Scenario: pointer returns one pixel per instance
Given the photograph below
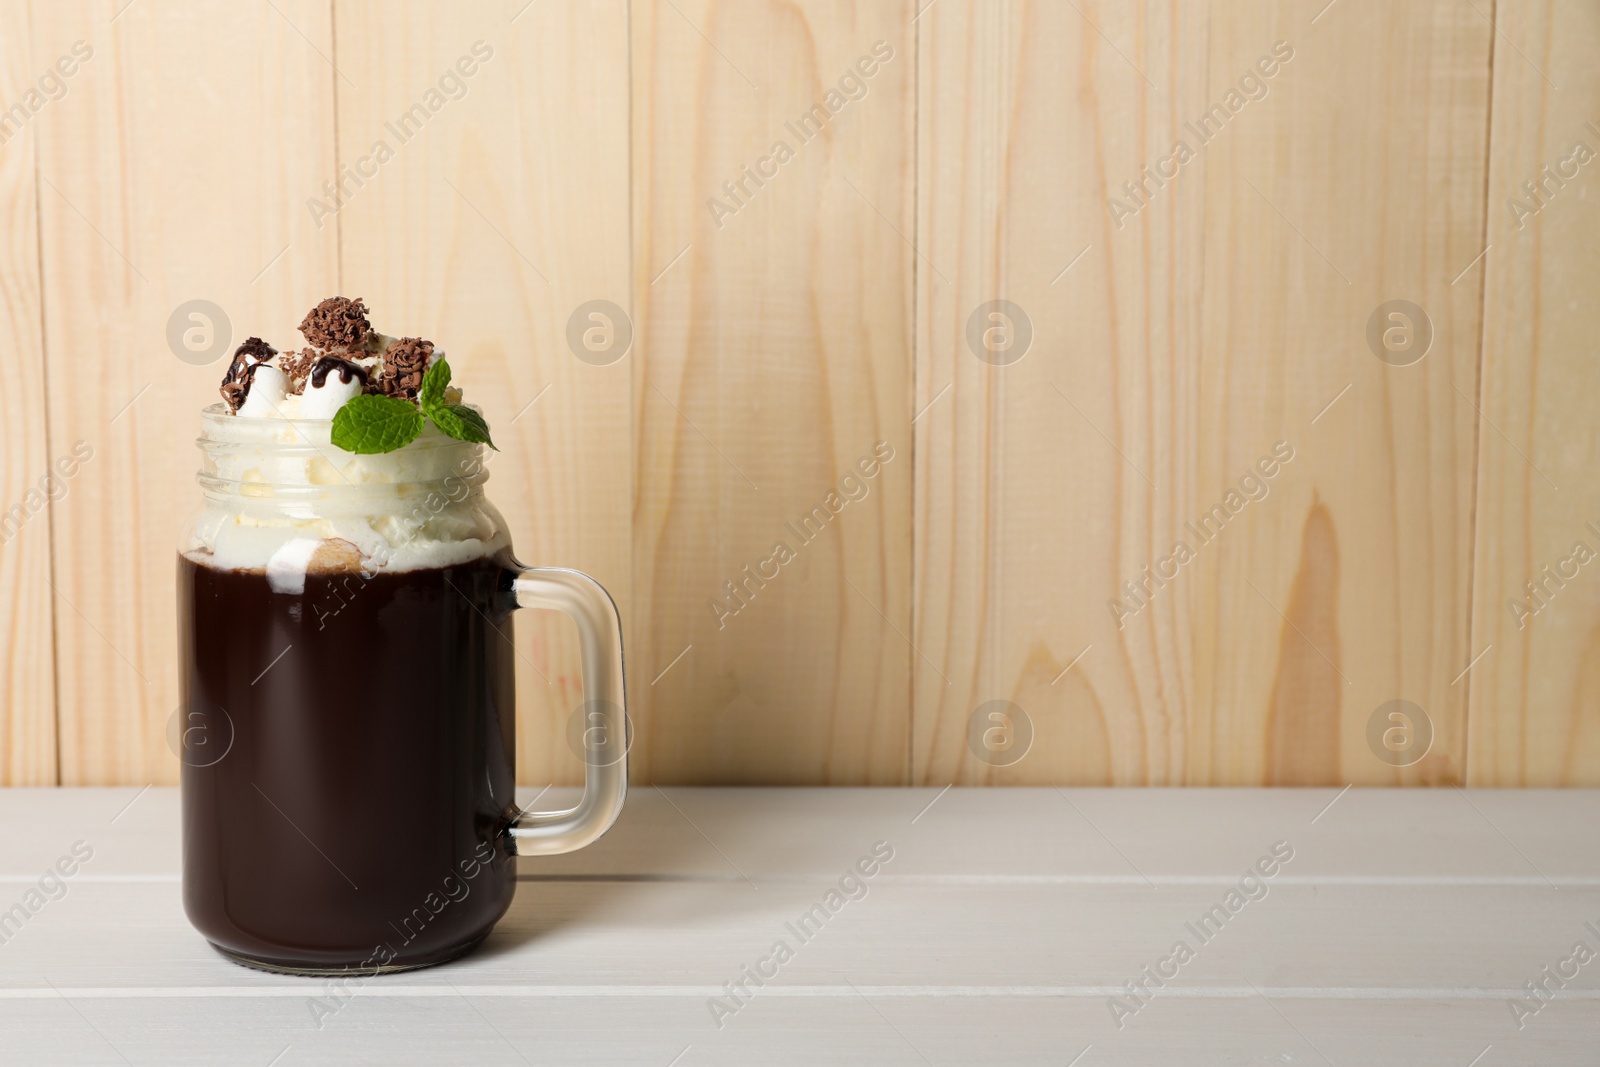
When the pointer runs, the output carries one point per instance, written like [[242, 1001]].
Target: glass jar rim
[[255, 430], [431, 461]]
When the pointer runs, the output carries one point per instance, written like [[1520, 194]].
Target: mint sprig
[[462, 423], [370, 423], [454, 420], [434, 382]]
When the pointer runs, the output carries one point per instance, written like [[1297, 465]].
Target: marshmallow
[[268, 387], [321, 403]]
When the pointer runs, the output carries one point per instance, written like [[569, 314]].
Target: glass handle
[[605, 737]]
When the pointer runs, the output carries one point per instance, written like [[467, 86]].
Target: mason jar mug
[[347, 725]]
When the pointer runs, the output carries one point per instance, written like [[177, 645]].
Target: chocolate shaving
[[296, 366], [337, 323], [242, 371], [404, 364]]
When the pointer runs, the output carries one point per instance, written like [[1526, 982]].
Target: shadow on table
[[667, 863]]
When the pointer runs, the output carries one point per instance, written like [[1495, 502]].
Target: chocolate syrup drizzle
[[242, 371], [346, 369]]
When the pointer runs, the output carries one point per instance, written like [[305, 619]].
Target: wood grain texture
[[1220, 318], [485, 232], [791, 310], [1351, 588], [1033, 477], [27, 480], [1536, 692], [175, 168], [774, 316]]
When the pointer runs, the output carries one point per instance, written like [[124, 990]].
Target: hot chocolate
[[359, 810], [349, 713], [348, 710]]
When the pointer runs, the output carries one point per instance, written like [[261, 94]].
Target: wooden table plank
[[1000, 931], [688, 938], [1168, 835], [785, 1031]]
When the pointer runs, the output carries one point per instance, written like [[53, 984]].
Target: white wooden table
[[999, 932]]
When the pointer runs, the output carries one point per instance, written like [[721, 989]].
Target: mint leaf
[[453, 420], [462, 423], [431, 394], [370, 423]]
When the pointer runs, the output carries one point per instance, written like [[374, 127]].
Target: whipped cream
[[283, 500]]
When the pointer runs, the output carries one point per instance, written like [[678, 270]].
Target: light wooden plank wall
[[1536, 695], [485, 232], [775, 324], [1192, 338], [27, 661], [174, 169], [784, 326]]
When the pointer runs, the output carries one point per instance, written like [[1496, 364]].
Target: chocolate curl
[[404, 364], [337, 323]]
